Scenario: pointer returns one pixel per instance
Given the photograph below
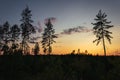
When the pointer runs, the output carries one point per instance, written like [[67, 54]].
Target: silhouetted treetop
[[26, 28], [100, 29], [47, 38]]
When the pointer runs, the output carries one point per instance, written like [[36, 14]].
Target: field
[[64, 67]]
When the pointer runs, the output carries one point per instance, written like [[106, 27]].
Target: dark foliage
[[5, 37], [100, 29], [68, 67], [36, 49], [15, 32], [48, 37], [26, 29]]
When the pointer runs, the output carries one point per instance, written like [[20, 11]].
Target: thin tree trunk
[[49, 44], [103, 41], [23, 47], [49, 48], [104, 46]]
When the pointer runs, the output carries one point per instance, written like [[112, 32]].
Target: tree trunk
[[104, 45], [49, 47], [103, 41]]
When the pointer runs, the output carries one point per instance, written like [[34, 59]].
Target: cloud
[[69, 31], [79, 29], [38, 28], [52, 19]]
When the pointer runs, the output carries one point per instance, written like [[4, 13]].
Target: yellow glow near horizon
[[84, 41]]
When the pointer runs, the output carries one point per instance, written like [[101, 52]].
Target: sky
[[68, 14]]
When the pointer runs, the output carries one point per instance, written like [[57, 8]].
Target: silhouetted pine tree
[[1, 36], [6, 38], [6, 32], [36, 49], [27, 28], [15, 32], [48, 37], [100, 29]]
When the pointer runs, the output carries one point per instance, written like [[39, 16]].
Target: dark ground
[[67, 67]]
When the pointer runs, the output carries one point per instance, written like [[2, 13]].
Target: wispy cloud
[[52, 19], [70, 31], [39, 28], [79, 29]]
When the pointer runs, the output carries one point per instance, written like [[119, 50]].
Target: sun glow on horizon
[[84, 41]]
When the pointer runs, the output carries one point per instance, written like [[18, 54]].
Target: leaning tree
[[100, 29], [48, 37], [27, 29]]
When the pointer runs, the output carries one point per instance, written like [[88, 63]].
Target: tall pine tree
[[48, 37], [6, 38], [100, 29], [1, 36], [26, 28]]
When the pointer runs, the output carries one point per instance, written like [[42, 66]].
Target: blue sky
[[68, 12]]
